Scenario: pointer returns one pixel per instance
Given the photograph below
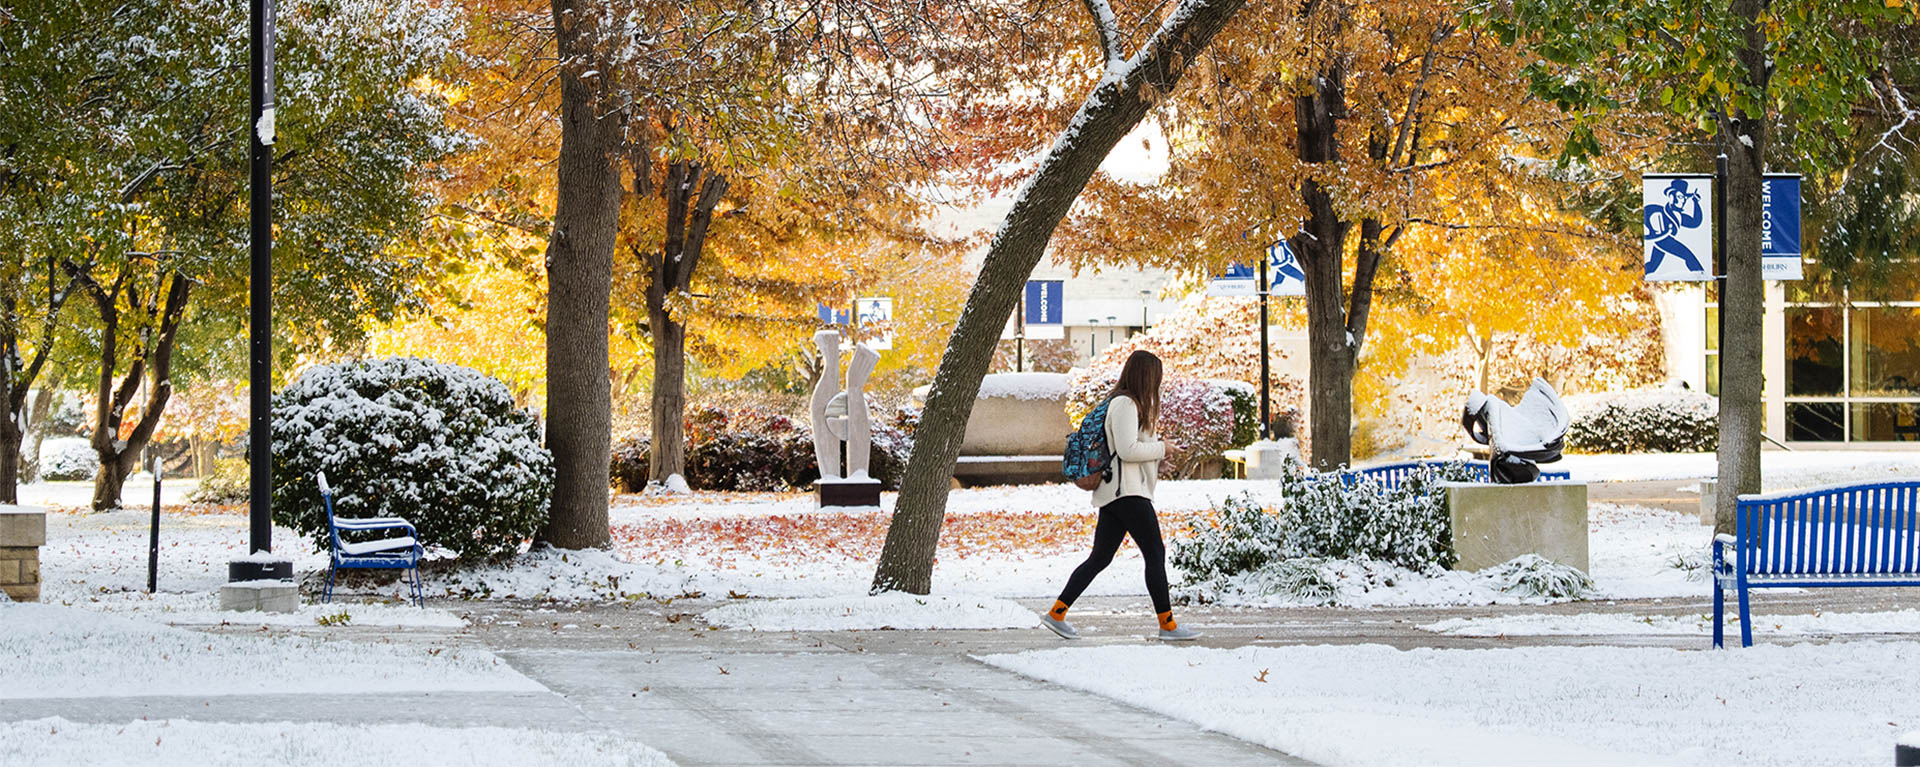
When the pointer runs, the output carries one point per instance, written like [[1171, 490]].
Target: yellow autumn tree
[[1398, 154]]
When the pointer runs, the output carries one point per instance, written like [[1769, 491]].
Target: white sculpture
[[1518, 436], [841, 417]]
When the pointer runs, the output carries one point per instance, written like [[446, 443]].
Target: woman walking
[[1125, 498]]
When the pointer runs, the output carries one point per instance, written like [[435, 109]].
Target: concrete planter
[[1492, 524], [23, 530]]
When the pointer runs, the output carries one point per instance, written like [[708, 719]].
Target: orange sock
[[1059, 611], [1166, 621]]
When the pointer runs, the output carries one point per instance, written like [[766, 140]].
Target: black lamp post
[[260, 304]]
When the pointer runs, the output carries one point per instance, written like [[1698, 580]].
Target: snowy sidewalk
[[833, 706]]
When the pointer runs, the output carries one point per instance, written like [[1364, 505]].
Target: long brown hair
[[1140, 379]]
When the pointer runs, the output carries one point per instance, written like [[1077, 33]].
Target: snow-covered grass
[[1004, 542], [885, 611], [1599, 624], [203, 609], [1779, 469], [1798, 706], [1633, 553], [184, 743], [52, 651]]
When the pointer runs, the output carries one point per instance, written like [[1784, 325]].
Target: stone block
[[22, 592], [1492, 524], [9, 572], [1708, 498], [1268, 459], [23, 526], [264, 596]]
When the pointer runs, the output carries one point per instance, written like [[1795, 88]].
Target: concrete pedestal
[[265, 596], [1268, 460], [1492, 524], [1709, 495], [23, 530], [849, 493]]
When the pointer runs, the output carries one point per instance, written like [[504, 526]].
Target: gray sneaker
[[1063, 628], [1179, 634]]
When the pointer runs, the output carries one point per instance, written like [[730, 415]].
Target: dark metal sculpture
[[1520, 436]]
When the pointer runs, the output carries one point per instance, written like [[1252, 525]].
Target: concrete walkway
[[658, 675]]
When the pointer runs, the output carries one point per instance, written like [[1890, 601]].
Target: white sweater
[[1136, 454]]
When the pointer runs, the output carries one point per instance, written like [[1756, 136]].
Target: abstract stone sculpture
[[841, 418], [1519, 436]]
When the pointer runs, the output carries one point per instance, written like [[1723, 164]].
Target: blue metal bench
[[1844, 535], [400, 552], [1391, 474]]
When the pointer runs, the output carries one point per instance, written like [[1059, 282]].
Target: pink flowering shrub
[[1198, 419]]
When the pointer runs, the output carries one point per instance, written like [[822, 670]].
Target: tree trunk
[[691, 194], [11, 436], [1321, 250], [669, 438], [1742, 414], [1114, 107], [119, 458], [586, 219]]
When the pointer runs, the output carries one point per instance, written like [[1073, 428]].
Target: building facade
[[1842, 367]]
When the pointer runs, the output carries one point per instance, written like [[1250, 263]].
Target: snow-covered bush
[[1652, 421], [442, 445], [1531, 575], [67, 459], [228, 484], [1199, 420], [631, 463], [1330, 515]]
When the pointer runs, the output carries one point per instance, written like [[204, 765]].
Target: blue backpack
[[1089, 459]]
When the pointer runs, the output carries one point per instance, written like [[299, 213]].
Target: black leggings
[[1131, 515]]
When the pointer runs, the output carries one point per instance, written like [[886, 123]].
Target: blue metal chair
[[399, 552]]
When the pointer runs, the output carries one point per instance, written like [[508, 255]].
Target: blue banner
[[1044, 306], [831, 316], [1284, 277], [1780, 248]]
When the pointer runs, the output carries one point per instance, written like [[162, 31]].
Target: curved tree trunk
[[119, 458], [1114, 107], [586, 219], [1742, 417]]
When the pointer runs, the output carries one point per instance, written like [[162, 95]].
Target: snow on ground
[[1779, 469], [1600, 624], [1633, 552], [79, 494], [89, 553], [203, 609], [1007, 542], [53, 651], [885, 611], [184, 743], [1785, 705]]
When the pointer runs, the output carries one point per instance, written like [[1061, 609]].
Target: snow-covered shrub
[[1330, 515], [67, 459], [229, 483], [1653, 421], [1199, 420], [442, 445], [1531, 575], [630, 463]]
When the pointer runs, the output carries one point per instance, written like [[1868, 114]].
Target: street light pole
[[260, 280]]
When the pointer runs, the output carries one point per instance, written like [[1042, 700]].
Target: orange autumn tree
[[1381, 142], [747, 200]]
